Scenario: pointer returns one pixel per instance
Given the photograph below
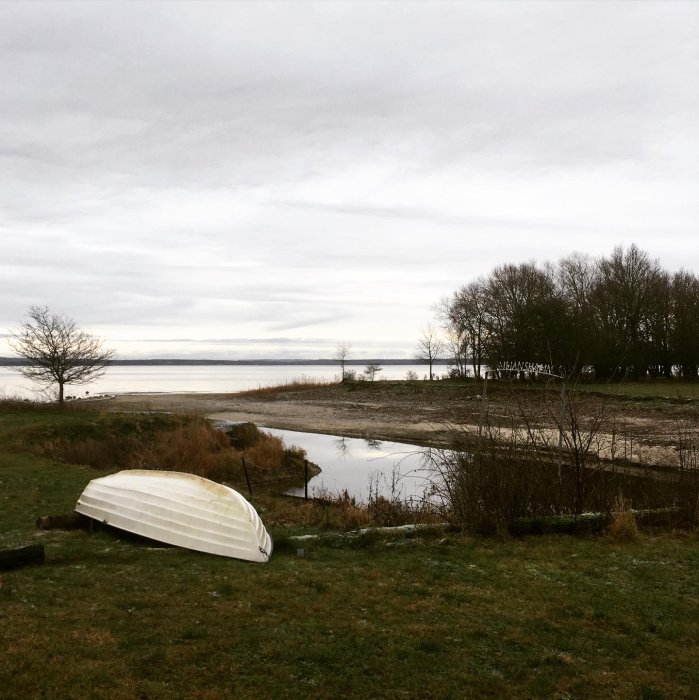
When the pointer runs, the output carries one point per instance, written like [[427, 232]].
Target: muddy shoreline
[[427, 413], [356, 419]]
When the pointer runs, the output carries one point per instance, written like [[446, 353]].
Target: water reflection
[[342, 445], [365, 468]]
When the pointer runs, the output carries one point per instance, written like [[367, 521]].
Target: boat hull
[[181, 509]]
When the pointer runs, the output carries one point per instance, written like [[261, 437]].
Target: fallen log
[[21, 556]]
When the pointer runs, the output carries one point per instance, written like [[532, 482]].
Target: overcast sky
[[249, 180]]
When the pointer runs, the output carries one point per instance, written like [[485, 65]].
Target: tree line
[[621, 315]]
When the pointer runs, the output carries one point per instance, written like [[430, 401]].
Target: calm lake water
[[391, 469], [122, 379]]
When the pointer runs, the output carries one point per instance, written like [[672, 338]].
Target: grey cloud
[[223, 341], [166, 103], [273, 166], [435, 217], [305, 321]]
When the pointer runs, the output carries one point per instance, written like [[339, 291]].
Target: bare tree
[[576, 277], [457, 351], [466, 319], [372, 369], [430, 346], [58, 351], [621, 298], [342, 352]]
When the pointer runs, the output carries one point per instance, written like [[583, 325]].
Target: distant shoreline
[[14, 362]]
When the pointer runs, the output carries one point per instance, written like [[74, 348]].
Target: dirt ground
[[641, 430]]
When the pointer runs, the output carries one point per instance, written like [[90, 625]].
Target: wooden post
[[561, 411], [21, 556], [305, 479], [484, 398], [247, 478]]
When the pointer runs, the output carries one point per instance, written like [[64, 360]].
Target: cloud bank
[[299, 174]]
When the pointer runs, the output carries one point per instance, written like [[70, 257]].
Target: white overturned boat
[[180, 509]]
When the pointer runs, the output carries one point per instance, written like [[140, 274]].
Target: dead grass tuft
[[340, 511], [301, 384], [267, 453], [16, 403], [623, 527], [196, 447], [390, 512], [185, 443]]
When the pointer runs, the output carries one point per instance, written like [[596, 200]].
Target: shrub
[[340, 511], [196, 447], [244, 435], [623, 527]]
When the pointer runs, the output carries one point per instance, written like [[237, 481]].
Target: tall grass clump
[[303, 383], [267, 455], [195, 446], [389, 507], [16, 403], [105, 441], [167, 442], [623, 527]]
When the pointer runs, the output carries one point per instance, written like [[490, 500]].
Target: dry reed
[[623, 527], [301, 384]]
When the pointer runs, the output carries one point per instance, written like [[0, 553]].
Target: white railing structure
[[528, 368]]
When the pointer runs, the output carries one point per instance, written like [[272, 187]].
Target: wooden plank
[[21, 556]]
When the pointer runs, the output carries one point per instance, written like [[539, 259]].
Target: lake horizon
[[198, 377], [263, 362]]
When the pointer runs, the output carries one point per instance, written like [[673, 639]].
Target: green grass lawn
[[441, 616], [656, 388], [649, 389]]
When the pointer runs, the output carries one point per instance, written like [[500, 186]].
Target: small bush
[[391, 512], [340, 511], [196, 447], [244, 435], [268, 453], [623, 527]]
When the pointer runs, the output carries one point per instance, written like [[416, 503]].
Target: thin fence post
[[305, 479], [247, 478], [561, 411]]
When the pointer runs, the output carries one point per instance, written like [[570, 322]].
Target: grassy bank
[[428, 616], [658, 391], [648, 389]]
